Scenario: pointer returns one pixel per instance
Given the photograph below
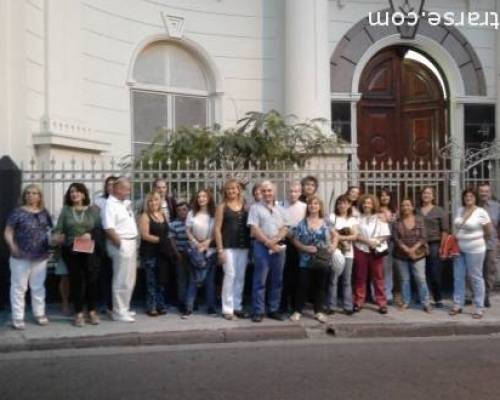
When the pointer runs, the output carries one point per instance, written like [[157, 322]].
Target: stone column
[[307, 60]]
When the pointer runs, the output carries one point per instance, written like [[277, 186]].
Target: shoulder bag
[[382, 249], [450, 248]]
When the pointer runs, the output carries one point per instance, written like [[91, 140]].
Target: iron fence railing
[[404, 179]]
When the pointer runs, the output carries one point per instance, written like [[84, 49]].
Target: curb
[[373, 330], [246, 334]]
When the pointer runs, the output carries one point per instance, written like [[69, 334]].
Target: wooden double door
[[403, 112]]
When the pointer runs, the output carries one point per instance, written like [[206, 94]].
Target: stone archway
[[363, 36]]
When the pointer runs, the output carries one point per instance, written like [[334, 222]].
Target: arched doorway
[[402, 113]]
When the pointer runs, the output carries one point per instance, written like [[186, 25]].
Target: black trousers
[[290, 278], [314, 282], [83, 279]]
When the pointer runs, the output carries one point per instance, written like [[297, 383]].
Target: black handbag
[[377, 253], [321, 260]]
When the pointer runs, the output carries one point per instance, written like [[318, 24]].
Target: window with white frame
[[171, 90]]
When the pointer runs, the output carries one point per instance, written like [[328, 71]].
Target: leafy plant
[[258, 139]]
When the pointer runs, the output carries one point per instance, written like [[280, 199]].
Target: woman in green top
[[75, 231]]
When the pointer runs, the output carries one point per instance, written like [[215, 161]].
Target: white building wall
[[93, 42], [242, 37]]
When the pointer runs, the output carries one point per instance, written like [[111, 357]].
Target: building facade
[[101, 78]]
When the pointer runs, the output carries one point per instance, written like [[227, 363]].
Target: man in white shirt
[[268, 225], [121, 232]]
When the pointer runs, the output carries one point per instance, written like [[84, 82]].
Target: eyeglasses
[[37, 193]]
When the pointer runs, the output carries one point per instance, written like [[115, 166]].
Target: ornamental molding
[[174, 26], [56, 132]]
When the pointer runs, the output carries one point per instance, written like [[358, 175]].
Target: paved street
[[409, 369]]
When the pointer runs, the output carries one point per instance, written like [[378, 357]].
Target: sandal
[[455, 310]]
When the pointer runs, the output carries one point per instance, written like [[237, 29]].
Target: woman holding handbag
[[410, 250], [345, 224], [369, 251], [200, 224], [313, 239], [472, 228]]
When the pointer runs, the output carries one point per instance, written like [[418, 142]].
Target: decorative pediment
[[174, 26]]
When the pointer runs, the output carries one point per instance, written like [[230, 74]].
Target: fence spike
[[389, 162]]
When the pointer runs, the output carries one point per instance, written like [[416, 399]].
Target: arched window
[[171, 90]]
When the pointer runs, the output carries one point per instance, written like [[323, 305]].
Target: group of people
[[367, 247]]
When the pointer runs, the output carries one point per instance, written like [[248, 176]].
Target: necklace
[[78, 218]]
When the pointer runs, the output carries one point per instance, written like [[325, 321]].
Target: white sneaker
[[123, 317], [132, 313], [42, 320], [18, 324], [320, 317], [295, 317]]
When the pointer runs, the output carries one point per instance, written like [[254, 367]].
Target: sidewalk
[[200, 328]]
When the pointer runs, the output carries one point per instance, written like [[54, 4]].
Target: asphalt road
[[445, 368]]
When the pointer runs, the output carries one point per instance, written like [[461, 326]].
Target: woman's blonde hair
[[32, 186], [147, 199], [309, 201], [229, 183]]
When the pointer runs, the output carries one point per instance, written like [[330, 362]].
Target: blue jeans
[[208, 281], [434, 271], [155, 297], [345, 277], [417, 269], [472, 265], [267, 264]]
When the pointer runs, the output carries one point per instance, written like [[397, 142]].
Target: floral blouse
[[31, 232], [319, 237]]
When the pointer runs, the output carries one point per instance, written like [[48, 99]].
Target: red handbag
[[450, 248]]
